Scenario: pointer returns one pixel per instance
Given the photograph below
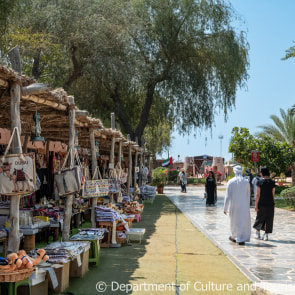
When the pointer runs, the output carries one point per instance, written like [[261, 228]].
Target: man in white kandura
[[236, 202]]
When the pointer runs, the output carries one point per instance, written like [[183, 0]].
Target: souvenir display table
[[76, 252], [92, 235]]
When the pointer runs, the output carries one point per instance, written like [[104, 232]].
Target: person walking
[[236, 203], [254, 182], [210, 189], [264, 205], [183, 181]]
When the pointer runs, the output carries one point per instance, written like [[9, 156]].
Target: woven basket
[[17, 275]]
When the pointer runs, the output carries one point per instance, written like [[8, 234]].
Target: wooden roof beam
[[45, 101]]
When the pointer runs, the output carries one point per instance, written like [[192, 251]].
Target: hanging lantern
[[97, 148], [36, 130]]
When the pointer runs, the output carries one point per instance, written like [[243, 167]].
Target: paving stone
[[261, 261]]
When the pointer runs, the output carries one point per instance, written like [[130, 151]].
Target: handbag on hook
[[114, 182], [17, 171], [96, 188], [67, 181]]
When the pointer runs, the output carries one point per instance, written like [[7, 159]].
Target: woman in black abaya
[[210, 188]]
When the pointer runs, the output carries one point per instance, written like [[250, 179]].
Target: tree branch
[[77, 71]]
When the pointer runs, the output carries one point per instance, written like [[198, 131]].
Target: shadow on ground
[[118, 264]]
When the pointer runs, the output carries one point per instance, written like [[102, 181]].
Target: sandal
[[232, 239]]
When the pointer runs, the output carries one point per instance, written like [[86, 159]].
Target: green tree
[[124, 56], [241, 145], [283, 130], [276, 155]]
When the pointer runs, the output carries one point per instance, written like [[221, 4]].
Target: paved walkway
[[269, 264]]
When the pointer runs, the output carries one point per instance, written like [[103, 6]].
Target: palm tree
[[283, 130]]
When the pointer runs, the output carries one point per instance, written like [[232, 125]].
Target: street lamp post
[[220, 137]]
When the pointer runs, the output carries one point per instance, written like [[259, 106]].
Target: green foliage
[[289, 196], [159, 176], [279, 189], [173, 175], [192, 180], [156, 64], [229, 177], [277, 156], [202, 180], [283, 129]]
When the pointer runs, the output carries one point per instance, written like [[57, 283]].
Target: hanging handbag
[[121, 175], [114, 182], [17, 171], [67, 181], [96, 187]]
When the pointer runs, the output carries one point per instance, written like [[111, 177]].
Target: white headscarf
[[238, 172]]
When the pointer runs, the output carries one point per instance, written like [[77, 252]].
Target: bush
[[192, 180], [202, 180], [289, 196], [279, 189], [159, 176], [173, 175], [232, 175]]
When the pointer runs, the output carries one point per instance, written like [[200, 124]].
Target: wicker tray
[[17, 275]]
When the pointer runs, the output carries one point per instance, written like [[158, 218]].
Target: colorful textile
[[96, 188]]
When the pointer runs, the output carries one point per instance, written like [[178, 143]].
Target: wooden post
[[14, 240], [25, 145], [112, 154], [69, 199], [47, 152], [93, 165], [120, 153], [15, 96], [135, 165], [129, 180]]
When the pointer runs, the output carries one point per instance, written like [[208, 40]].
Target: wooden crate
[[77, 271], [62, 272], [41, 288]]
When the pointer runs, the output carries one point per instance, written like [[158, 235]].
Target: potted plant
[[159, 178]]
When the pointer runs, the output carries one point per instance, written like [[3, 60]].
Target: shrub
[[232, 175], [173, 175], [289, 195], [192, 180], [159, 176], [201, 180], [279, 189]]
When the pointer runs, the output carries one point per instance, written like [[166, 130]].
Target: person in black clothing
[[210, 188], [264, 204]]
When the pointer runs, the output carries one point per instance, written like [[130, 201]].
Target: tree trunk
[[77, 68], [145, 110], [36, 72]]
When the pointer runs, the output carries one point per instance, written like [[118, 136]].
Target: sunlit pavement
[[270, 264]]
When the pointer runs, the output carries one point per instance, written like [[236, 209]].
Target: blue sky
[[270, 27]]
